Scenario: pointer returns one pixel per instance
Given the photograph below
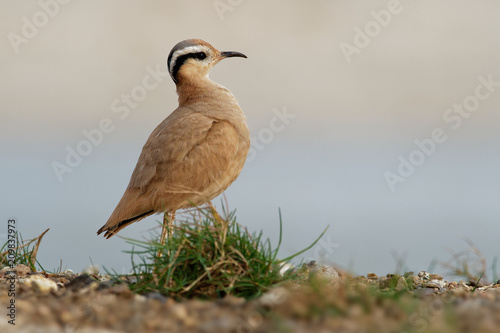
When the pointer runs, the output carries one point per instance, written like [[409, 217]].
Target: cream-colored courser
[[195, 153]]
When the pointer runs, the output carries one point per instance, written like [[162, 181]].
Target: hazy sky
[[378, 118]]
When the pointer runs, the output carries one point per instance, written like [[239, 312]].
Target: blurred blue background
[[360, 82]]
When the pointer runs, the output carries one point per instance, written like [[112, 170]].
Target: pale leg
[[167, 229]]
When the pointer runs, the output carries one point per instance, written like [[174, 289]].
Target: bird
[[195, 153]]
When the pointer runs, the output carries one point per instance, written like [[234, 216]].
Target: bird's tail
[[111, 230], [131, 208]]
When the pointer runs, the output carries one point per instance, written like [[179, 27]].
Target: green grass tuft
[[208, 256], [17, 251]]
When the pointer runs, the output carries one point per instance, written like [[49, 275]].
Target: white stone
[[285, 268], [435, 284], [91, 270], [326, 272], [41, 283]]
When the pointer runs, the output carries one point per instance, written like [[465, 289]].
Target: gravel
[[327, 300]]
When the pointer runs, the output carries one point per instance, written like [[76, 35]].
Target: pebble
[[79, 282], [422, 292], [285, 268], [91, 270], [311, 264], [20, 270], [324, 272], [415, 280], [402, 284], [464, 286], [475, 283], [104, 285], [275, 296], [39, 283], [424, 275], [104, 278], [435, 284], [435, 277], [5, 271], [156, 296]]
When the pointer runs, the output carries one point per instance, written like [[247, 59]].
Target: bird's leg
[[167, 229], [171, 218]]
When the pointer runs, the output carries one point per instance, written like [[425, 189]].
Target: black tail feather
[[110, 231]]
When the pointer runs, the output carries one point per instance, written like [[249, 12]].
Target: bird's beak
[[229, 54]]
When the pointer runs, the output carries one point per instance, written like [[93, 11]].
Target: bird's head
[[192, 59]]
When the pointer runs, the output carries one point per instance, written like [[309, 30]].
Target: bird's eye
[[200, 55]]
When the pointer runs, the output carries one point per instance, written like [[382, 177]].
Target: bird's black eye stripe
[[200, 55], [181, 59]]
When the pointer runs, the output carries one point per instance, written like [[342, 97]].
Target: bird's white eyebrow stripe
[[186, 50]]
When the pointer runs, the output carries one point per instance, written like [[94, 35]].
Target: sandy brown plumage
[[195, 153]]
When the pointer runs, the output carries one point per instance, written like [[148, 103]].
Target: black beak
[[229, 54]]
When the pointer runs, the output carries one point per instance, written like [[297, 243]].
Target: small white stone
[[91, 270], [424, 275], [104, 278], [325, 272], [41, 283], [285, 268], [274, 296], [68, 272], [140, 298], [435, 284]]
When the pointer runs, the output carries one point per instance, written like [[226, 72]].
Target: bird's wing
[[184, 150]]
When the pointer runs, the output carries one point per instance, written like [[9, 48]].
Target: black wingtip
[[110, 231]]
